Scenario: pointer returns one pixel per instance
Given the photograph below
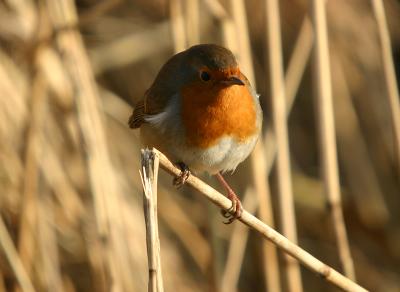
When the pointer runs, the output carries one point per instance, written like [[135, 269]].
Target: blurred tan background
[[70, 191]]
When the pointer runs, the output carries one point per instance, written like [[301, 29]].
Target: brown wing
[[153, 102], [156, 98], [137, 117]]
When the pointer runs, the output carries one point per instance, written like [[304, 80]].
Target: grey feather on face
[[213, 56]]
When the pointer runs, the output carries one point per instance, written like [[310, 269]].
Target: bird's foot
[[235, 211], [180, 180]]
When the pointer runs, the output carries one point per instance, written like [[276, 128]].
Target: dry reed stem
[[58, 181], [14, 85], [63, 16], [160, 286], [183, 226], [177, 25], [55, 175], [227, 25], [298, 62], [192, 15], [279, 113], [149, 176], [28, 220], [97, 261], [327, 139], [102, 179], [97, 11], [50, 64], [259, 173], [2, 283], [323, 270], [237, 247], [14, 109], [243, 39], [294, 73], [25, 20], [270, 260], [130, 48], [216, 9], [14, 260], [390, 75], [357, 165], [47, 242]]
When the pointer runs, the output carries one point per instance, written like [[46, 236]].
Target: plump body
[[210, 123]]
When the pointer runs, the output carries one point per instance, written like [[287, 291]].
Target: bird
[[202, 113]]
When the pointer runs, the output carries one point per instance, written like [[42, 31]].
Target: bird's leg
[[180, 180], [235, 211]]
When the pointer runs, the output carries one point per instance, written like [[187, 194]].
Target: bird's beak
[[232, 80]]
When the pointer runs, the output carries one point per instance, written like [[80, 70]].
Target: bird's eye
[[205, 76]]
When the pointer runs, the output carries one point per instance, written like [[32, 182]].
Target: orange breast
[[208, 113]]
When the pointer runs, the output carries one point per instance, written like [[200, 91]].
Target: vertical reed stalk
[[237, 246], [229, 36], [28, 225], [261, 183], [361, 175], [47, 243], [279, 113], [326, 127], [298, 62], [294, 73], [243, 39], [390, 74], [149, 175], [102, 178], [259, 173], [177, 25], [192, 22]]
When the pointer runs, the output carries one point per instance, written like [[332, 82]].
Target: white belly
[[224, 156]]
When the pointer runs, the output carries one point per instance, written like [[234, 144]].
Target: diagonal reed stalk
[[309, 261], [14, 260], [327, 140], [279, 113]]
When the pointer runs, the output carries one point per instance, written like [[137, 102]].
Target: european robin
[[202, 112]]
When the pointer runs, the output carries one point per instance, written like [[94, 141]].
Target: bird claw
[[235, 211], [181, 179]]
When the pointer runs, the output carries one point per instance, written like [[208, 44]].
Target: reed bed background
[[325, 173]]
